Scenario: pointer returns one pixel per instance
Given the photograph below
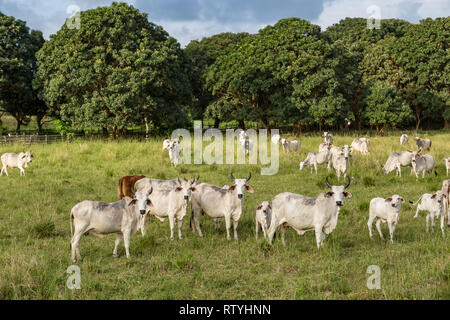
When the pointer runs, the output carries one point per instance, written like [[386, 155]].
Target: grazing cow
[[397, 160], [324, 147], [293, 145], [100, 219], [446, 191], [361, 145], [174, 153], [385, 210], [276, 139], [340, 164], [435, 204], [217, 202], [404, 139], [15, 160], [423, 144], [328, 138], [447, 164], [315, 158], [304, 213], [422, 163], [171, 203], [125, 186], [245, 141], [262, 218]]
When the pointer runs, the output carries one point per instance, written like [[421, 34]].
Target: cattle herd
[[140, 197]]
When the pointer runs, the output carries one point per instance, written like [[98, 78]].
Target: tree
[[117, 70], [201, 55], [17, 70]]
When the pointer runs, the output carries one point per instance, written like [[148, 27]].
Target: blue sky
[[188, 20]]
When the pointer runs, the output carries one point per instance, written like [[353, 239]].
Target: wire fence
[[34, 138]]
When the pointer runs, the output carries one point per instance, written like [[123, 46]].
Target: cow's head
[[395, 201], [302, 165], [266, 208], [186, 187], [440, 197], [338, 192], [347, 150], [240, 185], [141, 200], [25, 157]]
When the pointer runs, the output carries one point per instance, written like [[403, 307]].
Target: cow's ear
[[149, 203], [388, 200], [194, 189], [444, 195], [259, 207], [132, 202], [402, 200], [232, 188], [179, 189], [249, 189], [433, 196], [269, 206], [329, 194], [347, 194]]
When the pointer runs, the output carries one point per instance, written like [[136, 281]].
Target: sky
[[188, 20]]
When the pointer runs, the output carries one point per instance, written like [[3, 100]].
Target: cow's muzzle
[[240, 196], [339, 203], [142, 212], [186, 197]]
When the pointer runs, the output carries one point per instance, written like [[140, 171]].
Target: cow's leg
[[142, 223], [126, 242], [235, 225], [318, 231], [428, 222], [180, 224], [22, 171], [282, 233], [315, 167], [228, 225], [6, 171], [391, 231], [75, 245], [442, 225], [272, 229], [116, 244], [172, 224], [264, 230], [432, 222], [3, 169], [369, 225], [417, 212], [197, 224], [378, 225]]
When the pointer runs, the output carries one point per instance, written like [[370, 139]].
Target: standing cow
[[385, 210], [446, 191], [397, 160], [217, 202], [423, 144], [435, 204], [404, 139], [125, 186], [262, 218], [293, 145], [101, 218], [315, 158], [304, 213], [447, 164], [361, 145], [15, 160], [422, 163], [328, 138]]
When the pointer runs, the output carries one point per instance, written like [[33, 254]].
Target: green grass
[[35, 233]]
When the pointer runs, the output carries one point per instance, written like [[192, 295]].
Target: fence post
[[46, 139]]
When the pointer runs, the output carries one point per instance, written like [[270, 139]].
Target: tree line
[[119, 70]]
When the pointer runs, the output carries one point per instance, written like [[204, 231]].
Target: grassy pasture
[[35, 234]]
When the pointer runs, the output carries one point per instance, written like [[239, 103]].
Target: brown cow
[[125, 184]]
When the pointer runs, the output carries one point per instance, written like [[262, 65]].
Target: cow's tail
[[415, 203], [119, 189]]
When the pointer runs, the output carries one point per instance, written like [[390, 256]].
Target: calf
[[101, 218], [340, 164], [404, 139], [15, 160], [315, 158], [447, 164], [171, 203], [423, 144], [293, 145], [262, 218], [422, 163], [385, 210], [217, 202], [125, 186], [361, 145], [304, 213], [435, 205]]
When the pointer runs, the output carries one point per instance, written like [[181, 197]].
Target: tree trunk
[[241, 124], [264, 123], [105, 131], [39, 124], [216, 123], [297, 129], [19, 123], [146, 127], [446, 123]]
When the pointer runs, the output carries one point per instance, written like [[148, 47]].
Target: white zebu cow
[[397, 160], [262, 218], [102, 218], [315, 158], [304, 213], [404, 139], [385, 210], [435, 204], [171, 203], [423, 144], [293, 145], [276, 139], [447, 164], [361, 145], [446, 191], [217, 202], [174, 153], [328, 138], [166, 143], [246, 142], [15, 160], [422, 163], [340, 164]]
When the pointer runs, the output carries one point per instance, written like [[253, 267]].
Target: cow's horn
[[328, 183], [249, 176], [132, 190], [232, 177], [348, 182], [151, 190]]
